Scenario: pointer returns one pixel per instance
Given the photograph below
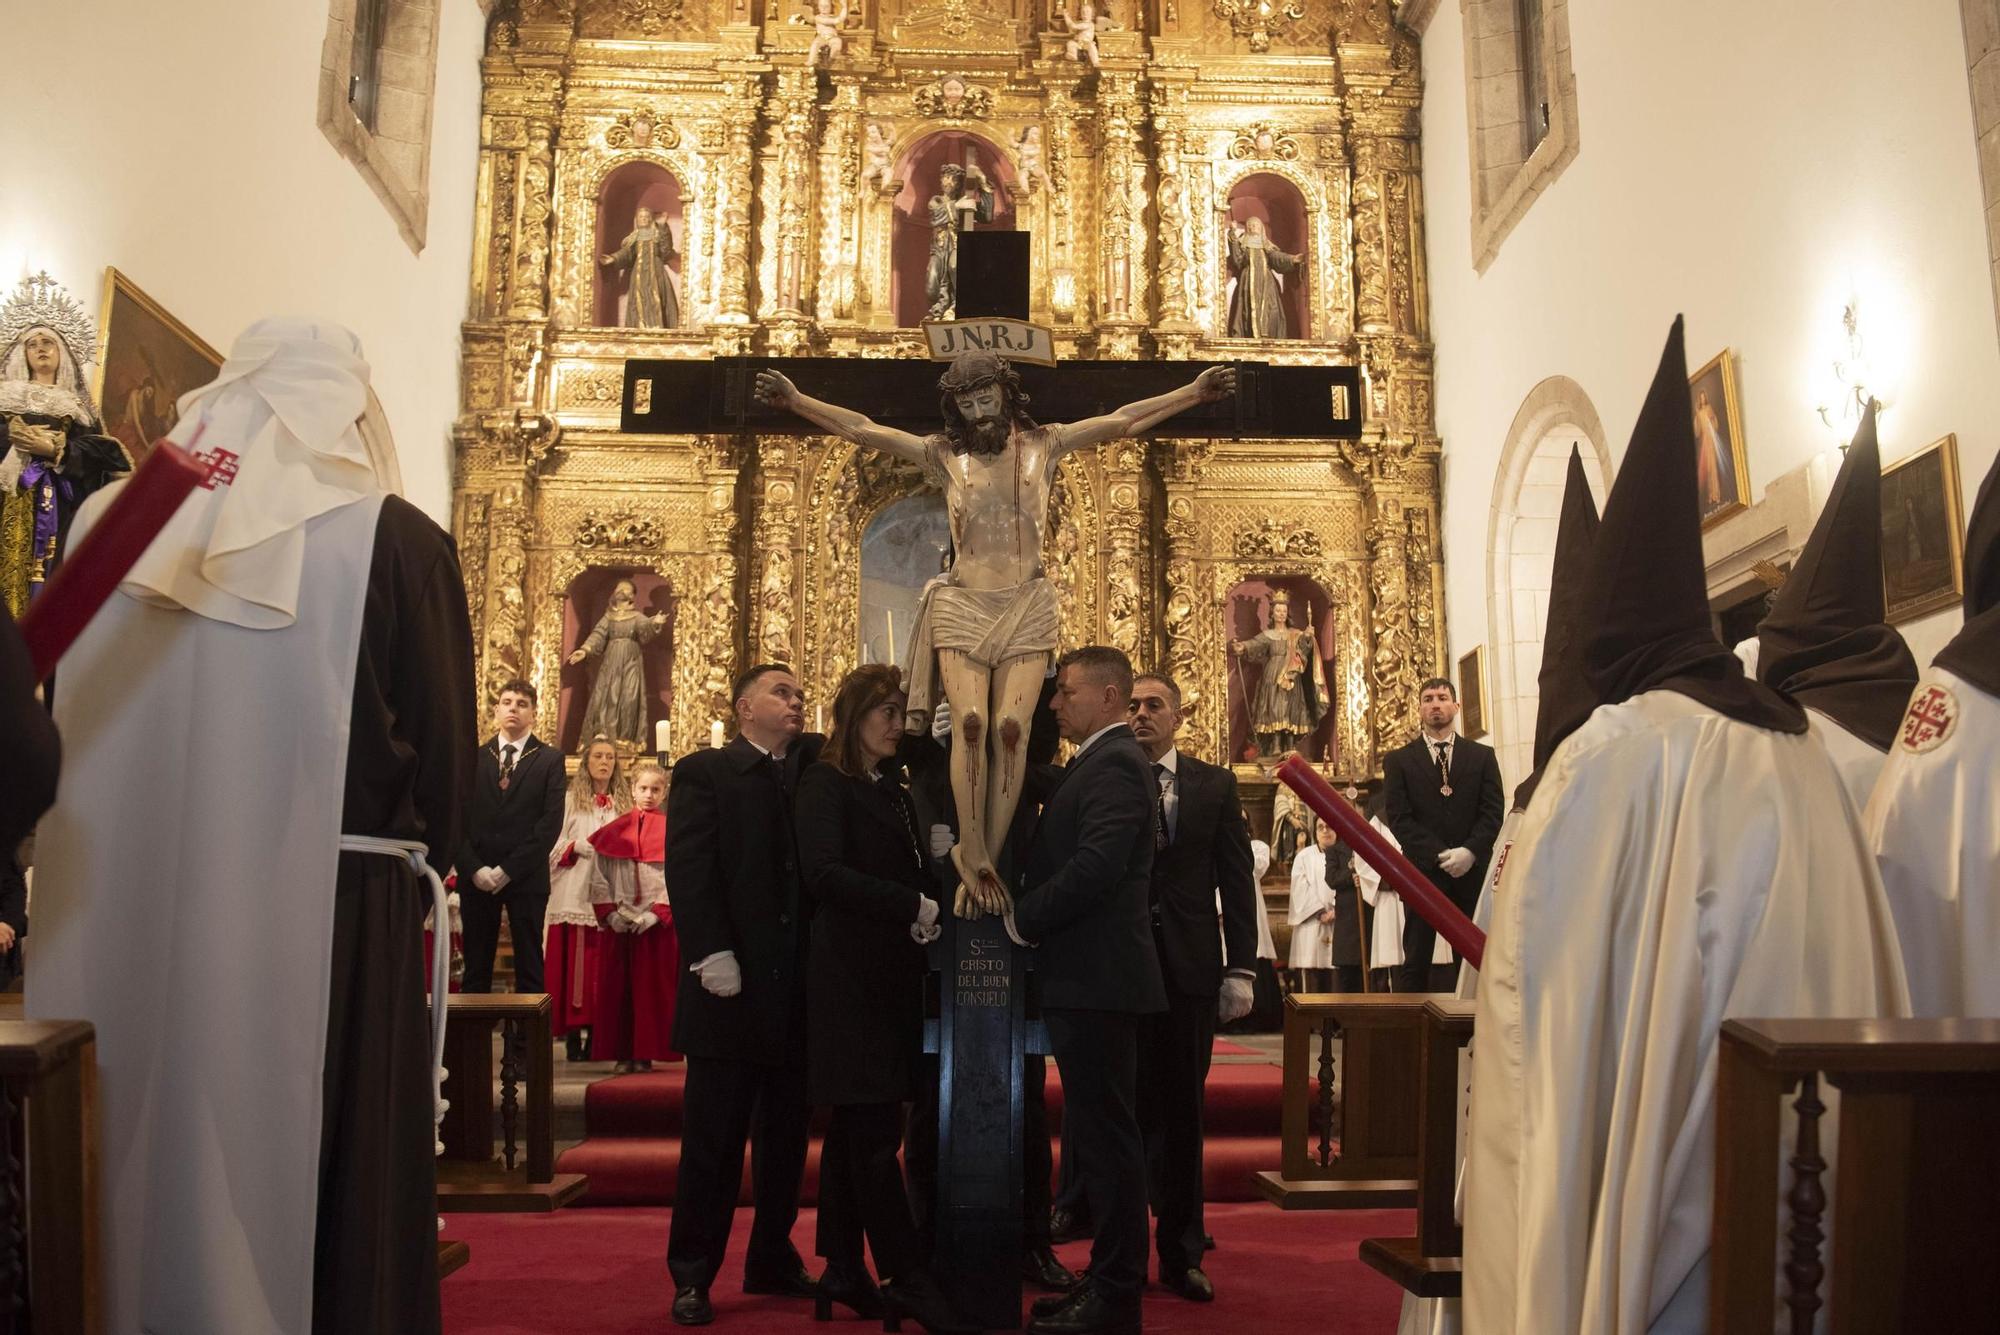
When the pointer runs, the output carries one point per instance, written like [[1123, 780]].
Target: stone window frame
[[1981, 22], [1505, 181], [394, 157]]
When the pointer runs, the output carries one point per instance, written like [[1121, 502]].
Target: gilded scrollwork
[[621, 530], [952, 98], [1273, 538]]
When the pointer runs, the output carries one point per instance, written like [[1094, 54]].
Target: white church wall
[[179, 143], [1757, 167]]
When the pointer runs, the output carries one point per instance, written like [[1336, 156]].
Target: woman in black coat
[[863, 865]]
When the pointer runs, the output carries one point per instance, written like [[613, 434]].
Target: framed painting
[[1923, 532], [1723, 473], [147, 361], [1472, 692]]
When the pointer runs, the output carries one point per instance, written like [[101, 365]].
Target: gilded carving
[[531, 265], [621, 530], [1263, 141], [642, 127], [1272, 538], [1258, 19], [953, 99]]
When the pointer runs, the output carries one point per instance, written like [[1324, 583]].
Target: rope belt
[[415, 855]]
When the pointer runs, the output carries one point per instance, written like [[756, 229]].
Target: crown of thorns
[[971, 370]]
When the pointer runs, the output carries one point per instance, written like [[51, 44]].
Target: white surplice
[[1260, 862], [1675, 868], [1312, 940], [1385, 938], [1934, 824], [195, 929]]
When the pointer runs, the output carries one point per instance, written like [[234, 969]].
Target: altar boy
[[638, 958]]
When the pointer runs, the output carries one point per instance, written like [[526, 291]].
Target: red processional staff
[[1397, 871]]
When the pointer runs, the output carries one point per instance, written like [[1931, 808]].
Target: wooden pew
[[1428, 1265], [1374, 1164], [1916, 1218], [48, 1178], [470, 1175]]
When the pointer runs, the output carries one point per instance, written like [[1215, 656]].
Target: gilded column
[[1121, 308], [1127, 585], [1176, 262], [1059, 117], [775, 548], [706, 655], [737, 135], [791, 202], [840, 188], [1188, 620], [531, 247], [1393, 669]]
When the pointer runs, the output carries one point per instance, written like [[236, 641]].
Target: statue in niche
[[617, 706], [963, 198], [987, 630], [1257, 306], [828, 18], [1289, 698], [650, 302], [875, 169], [1082, 29], [53, 450], [1289, 832]]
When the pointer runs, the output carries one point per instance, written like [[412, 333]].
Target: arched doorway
[[1527, 503]]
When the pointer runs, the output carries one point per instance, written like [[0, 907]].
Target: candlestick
[[1401, 874], [120, 537], [661, 735], [715, 737], [890, 613]]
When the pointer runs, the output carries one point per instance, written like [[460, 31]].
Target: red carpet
[[633, 1123], [604, 1272]]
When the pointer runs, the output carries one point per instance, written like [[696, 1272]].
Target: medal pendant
[[1445, 790], [505, 782]]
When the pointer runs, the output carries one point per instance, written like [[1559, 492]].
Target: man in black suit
[[733, 873], [1201, 845], [516, 812], [1444, 805], [1084, 902]]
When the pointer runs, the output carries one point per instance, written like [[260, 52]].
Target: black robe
[[408, 764]]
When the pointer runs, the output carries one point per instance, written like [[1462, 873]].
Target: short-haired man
[[733, 872], [1444, 805], [515, 814], [1087, 886], [1201, 846]]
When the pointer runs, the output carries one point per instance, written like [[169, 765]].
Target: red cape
[[639, 835]]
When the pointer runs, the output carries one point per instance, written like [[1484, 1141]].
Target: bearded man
[[989, 626]]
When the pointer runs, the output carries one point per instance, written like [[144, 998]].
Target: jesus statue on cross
[[990, 625]]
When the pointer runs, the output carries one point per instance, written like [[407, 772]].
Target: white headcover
[[294, 406]]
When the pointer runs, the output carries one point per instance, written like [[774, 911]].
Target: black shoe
[[691, 1307], [917, 1296], [848, 1285], [1040, 1267], [1190, 1284], [573, 1045], [1055, 1302], [793, 1284], [1090, 1313], [1066, 1225]]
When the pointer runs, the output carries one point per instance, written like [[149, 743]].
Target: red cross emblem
[[1931, 718], [220, 466]]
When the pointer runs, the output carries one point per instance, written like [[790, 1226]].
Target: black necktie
[[1161, 836], [506, 764]]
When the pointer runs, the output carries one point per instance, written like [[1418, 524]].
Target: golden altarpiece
[[792, 188]]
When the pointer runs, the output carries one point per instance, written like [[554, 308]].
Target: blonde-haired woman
[[596, 797]]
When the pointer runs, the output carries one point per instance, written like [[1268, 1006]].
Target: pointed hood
[[1825, 642], [1974, 653], [1566, 697], [1648, 599]]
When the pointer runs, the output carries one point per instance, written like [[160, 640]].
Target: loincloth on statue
[[988, 626]]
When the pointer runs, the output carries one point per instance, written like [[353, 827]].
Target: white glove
[[942, 841], [645, 922], [1455, 861], [490, 879], [1236, 999], [720, 975], [927, 910], [941, 721], [618, 922], [923, 935]]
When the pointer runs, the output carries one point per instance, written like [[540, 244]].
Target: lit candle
[[715, 733], [890, 613], [661, 735], [819, 718]]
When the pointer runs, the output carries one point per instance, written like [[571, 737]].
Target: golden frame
[[109, 348], [1932, 600], [1473, 693], [1724, 363]]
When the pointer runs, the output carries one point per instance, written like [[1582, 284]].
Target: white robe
[[1859, 763], [1675, 868], [570, 887], [1934, 824], [1312, 940], [1385, 940], [1260, 862], [194, 930]]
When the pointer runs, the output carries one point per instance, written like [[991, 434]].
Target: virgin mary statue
[[53, 450], [618, 698]]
